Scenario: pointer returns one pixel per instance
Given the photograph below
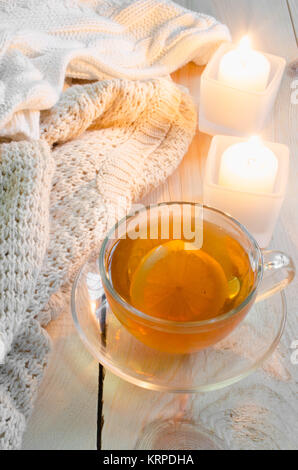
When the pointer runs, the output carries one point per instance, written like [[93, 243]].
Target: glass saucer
[[223, 364]]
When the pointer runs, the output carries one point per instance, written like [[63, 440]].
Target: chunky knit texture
[[114, 141], [42, 41], [100, 148], [25, 182]]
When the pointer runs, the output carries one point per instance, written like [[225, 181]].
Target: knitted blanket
[[100, 148], [41, 41]]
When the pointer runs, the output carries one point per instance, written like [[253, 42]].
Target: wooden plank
[[66, 411], [65, 414], [128, 409]]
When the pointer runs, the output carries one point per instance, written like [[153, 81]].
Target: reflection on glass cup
[[222, 238]]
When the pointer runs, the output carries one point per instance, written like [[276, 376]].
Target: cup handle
[[279, 271]]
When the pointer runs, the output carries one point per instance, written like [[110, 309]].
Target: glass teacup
[[271, 272]]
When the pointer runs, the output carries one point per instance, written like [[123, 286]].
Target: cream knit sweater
[[116, 140], [101, 147], [41, 41]]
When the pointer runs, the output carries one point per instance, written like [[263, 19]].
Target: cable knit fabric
[[91, 152], [42, 41], [25, 181], [137, 134], [20, 377], [112, 141]]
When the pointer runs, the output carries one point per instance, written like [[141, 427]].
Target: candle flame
[[244, 44]]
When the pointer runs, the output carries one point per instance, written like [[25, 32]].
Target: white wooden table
[[259, 412]]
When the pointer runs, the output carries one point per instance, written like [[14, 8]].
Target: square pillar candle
[[238, 90], [247, 178]]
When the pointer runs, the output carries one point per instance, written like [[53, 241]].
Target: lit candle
[[244, 68], [248, 166], [248, 180]]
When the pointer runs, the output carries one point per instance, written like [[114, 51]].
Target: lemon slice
[[177, 282]]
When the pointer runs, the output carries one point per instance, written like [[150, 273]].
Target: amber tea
[[174, 280], [180, 291], [176, 291]]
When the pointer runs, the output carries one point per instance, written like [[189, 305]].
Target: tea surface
[[173, 280]]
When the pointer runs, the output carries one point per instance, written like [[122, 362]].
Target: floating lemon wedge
[[177, 282]]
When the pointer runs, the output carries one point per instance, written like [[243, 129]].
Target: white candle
[[244, 68], [233, 182], [248, 166]]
